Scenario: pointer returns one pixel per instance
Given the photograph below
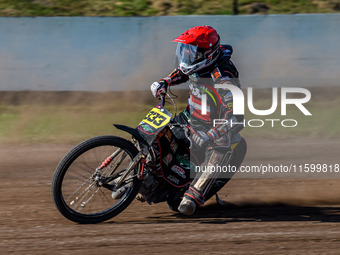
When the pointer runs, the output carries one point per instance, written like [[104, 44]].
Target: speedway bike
[[101, 176]]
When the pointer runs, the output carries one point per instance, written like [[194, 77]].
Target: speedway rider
[[203, 62]]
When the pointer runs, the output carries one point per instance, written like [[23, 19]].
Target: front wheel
[[81, 193]]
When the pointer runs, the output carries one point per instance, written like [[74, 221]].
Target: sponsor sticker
[[168, 135], [167, 159], [146, 128], [183, 161], [173, 179], [174, 146], [162, 132], [178, 170], [216, 73]]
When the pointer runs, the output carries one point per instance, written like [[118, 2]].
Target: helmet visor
[[186, 53]]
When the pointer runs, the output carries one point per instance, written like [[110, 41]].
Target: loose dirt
[[260, 216]]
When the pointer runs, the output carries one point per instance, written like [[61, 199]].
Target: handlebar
[[173, 102], [163, 100], [186, 129]]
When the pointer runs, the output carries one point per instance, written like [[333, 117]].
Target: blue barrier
[[125, 53]]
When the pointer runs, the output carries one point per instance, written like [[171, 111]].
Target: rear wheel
[[81, 193]]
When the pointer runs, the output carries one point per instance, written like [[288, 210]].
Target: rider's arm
[[175, 78], [235, 122]]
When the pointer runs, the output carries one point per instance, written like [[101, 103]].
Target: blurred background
[[163, 7], [69, 69]]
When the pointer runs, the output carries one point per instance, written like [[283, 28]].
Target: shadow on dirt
[[266, 212], [248, 212]]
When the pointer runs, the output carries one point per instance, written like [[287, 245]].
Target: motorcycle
[[101, 176]]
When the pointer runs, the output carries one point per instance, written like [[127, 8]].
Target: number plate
[[157, 118], [153, 123]]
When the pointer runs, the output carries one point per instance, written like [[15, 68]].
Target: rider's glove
[[158, 89], [203, 139]]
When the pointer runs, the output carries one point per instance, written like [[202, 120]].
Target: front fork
[[139, 157]]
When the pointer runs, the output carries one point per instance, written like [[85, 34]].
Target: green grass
[[60, 124], [52, 121], [68, 122], [8, 117], [157, 7]]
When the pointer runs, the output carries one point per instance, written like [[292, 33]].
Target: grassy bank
[[160, 7], [69, 117]]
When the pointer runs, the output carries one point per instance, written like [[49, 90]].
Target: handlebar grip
[[163, 100]]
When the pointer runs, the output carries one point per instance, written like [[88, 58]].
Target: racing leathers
[[209, 101]]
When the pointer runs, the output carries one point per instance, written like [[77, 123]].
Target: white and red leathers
[[219, 106]]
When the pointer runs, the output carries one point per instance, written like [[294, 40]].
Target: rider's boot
[[187, 206], [119, 192]]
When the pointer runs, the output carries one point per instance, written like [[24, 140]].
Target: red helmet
[[197, 48]]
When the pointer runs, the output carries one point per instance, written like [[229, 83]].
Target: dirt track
[[262, 216]]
